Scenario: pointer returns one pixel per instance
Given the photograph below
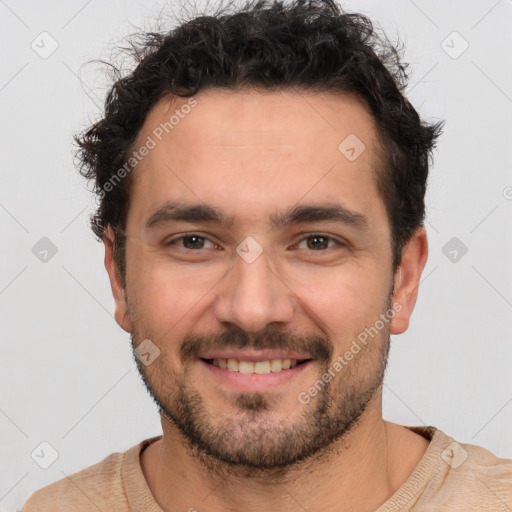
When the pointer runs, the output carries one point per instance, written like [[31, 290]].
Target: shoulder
[[89, 489], [453, 476], [480, 472], [471, 477]]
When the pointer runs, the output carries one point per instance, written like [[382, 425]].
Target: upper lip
[[253, 355]]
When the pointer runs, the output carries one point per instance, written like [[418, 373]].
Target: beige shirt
[[450, 477]]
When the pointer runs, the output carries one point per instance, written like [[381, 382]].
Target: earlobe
[[116, 281], [407, 279]]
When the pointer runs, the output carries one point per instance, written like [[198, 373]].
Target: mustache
[[317, 347]]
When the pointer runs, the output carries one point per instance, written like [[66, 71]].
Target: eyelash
[[173, 241]]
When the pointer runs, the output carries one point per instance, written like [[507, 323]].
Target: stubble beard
[[257, 440]]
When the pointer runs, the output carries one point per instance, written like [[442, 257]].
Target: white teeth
[[258, 367], [276, 365], [245, 366], [233, 365], [262, 367]]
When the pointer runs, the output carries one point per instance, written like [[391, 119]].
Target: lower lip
[[253, 381]]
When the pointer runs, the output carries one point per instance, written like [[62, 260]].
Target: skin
[[251, 153]]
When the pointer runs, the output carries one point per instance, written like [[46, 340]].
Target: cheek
[[166, 293], [344, 298]]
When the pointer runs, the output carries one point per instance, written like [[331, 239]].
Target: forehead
[[257, 150]]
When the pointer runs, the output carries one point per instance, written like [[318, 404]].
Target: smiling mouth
[[256, 367]]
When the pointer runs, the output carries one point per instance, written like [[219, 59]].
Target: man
[[261, 181]]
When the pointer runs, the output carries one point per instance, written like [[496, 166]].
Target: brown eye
[[191, 241], [319, 242]]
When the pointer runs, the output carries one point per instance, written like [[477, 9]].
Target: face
[[258, 254]]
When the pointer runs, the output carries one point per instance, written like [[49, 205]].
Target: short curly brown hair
[[305, 44]]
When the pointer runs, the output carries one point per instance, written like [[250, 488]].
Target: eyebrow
[[301, 214]]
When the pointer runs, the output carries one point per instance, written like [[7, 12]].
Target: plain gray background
[[67, 376]]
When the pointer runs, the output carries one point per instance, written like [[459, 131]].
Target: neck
[[359, 472]]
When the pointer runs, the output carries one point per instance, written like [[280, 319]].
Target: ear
[[407, 279], [116, 282]]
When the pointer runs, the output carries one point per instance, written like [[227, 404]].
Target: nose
[[253, 295]]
